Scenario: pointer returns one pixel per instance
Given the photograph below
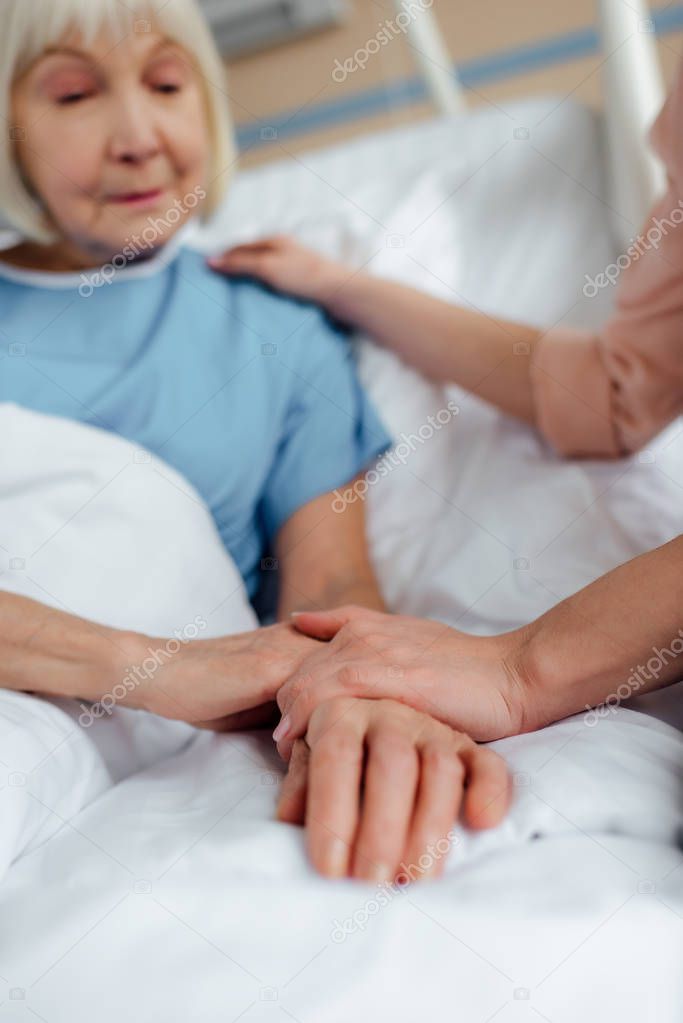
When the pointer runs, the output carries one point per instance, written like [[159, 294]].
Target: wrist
[[133, 663], [549, 685], [144, 674], [102, 668], [520, 691], [336, 287]]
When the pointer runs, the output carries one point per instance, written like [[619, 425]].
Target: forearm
[[46, 651], [448, 343], [204, 682], [621, 636], [359, 587], [325, 561]]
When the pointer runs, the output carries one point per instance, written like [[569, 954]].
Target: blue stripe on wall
[[482, 70]]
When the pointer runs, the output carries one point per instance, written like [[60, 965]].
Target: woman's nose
[[134, 137]]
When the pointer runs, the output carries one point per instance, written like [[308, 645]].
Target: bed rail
[[633, 93], [432, 56]]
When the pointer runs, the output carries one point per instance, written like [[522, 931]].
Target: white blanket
[[174, 894]]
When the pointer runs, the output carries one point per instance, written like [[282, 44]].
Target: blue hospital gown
[[251, 396]]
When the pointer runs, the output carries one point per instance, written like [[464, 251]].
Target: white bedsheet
[[173, 894]]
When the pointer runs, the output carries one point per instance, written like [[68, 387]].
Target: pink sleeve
[[608, 394]]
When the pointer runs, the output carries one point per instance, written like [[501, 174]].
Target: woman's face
[[114, 137]]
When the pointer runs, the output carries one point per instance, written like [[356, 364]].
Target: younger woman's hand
[[285, 265], [379, 787], [471, 683]]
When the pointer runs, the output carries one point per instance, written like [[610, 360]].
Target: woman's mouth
[[138, 199]]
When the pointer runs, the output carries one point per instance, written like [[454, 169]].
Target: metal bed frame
[[633, 93]]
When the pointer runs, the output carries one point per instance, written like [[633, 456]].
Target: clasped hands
[[380, 714]]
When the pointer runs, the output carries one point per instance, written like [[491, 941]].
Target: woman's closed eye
[[74, 86], [70, 87], [74, 97], [167, 88], [167, 75]]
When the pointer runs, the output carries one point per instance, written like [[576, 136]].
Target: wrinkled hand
[[285, 265], [468, 682], [226, 683], [379, 787]]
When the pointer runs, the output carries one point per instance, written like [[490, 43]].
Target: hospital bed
[[173, 894], [633, 92]]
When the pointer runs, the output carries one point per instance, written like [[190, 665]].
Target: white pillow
[[101, 529]]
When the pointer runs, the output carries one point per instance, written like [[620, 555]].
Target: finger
[[320, 687], [488, 794], [291, 807], [269, 242], [332, 809], [237, 251], [440, 792], [297, 714], [391, 777], [332, 679], [311, 673], [240, 261], [325, 624]]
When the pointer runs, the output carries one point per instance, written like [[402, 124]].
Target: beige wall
[[299, 75]]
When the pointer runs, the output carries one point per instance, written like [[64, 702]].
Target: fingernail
[[295, 614], [336, 857], [282, 729], [379, 872]]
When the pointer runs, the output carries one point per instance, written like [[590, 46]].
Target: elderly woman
[[119, 133], [603, 394]]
